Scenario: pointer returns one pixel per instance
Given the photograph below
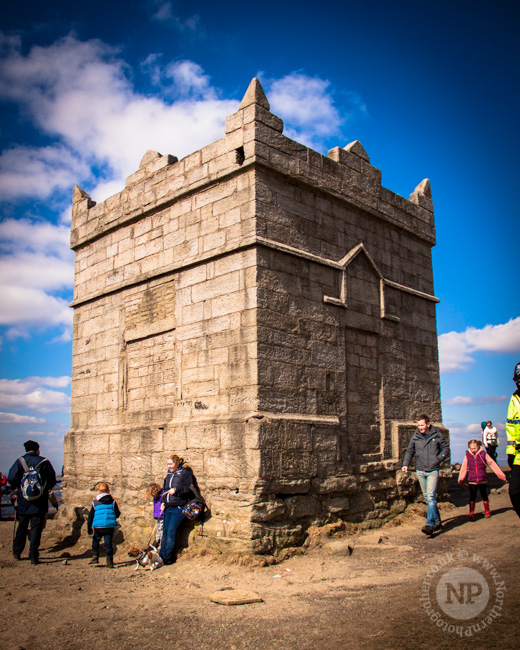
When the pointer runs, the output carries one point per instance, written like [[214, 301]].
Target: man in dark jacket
[[430, 449], [31, 511]]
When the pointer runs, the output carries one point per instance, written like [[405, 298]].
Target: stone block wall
[[265, 312]]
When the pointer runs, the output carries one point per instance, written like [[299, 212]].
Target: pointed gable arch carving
[[355, 255], [343, 300]]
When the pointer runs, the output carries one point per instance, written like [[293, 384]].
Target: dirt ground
[[325, 598]]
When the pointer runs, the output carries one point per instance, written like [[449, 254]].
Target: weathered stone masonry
[[264, 311]]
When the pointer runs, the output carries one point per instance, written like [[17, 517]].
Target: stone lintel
[[150, 329]]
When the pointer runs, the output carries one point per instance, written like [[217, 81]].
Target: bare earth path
[[365, 601]]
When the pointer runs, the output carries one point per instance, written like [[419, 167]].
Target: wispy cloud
[[50, 169], [485, 399], [31, 394], [163, 11], [460, 429], [15, 418], [457, 349], [459, 401]]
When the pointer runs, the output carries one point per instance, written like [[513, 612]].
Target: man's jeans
[[429, 482]]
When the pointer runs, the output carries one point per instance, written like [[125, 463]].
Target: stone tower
[[267, 313]]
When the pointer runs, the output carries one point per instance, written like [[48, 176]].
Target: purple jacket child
[[157, 514], [155, 492]]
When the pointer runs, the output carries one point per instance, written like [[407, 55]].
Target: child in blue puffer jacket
[[102, 521]]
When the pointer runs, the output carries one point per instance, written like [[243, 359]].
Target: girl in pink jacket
[[474, 466]]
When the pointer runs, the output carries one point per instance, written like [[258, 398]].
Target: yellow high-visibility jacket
[[513, 426]]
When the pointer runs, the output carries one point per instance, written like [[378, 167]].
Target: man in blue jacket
[[430, 449], [31, 511]]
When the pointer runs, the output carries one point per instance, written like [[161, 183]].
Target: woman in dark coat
[[177, 492]]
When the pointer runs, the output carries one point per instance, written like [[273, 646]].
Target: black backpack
[[32, 486]]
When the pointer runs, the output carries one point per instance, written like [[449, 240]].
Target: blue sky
[[431, 91]]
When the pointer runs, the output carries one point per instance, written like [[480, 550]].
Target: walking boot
[[94, 560], [110, 562], [471, 513], [486, 509]]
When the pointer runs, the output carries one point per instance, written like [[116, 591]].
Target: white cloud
[[307, 106], [457, 349], [22, 234], [39, 172], [81, 94], [64, 337], [24, 307], [42, 400], [459, 400], [461, 433], [20, 386], [190, 80], [53, 382], [36, 270], [30, 394], [474, 429], [484, 399], [35, 265], [15, 418], [459, 429]]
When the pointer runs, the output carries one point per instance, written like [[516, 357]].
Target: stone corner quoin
[[265, 312]]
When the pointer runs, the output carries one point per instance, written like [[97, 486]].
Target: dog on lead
[[146, 558]]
